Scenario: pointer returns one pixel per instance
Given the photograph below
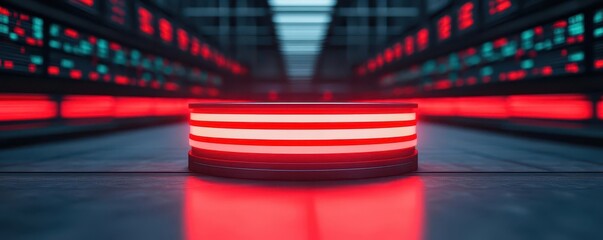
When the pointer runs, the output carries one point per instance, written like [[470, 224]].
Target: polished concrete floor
[[470, 185]]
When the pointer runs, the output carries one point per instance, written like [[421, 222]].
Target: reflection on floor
[[471, 185]]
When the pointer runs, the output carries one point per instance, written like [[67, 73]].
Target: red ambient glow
[[384, 209]]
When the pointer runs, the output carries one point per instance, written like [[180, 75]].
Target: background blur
[[73, 66]]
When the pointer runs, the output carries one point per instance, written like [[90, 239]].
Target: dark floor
[[134, 185]]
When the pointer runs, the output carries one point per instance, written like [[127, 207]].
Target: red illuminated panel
[[600, 109], [562, 107], [310, 134], [334, 211], [90, 6], [183, 39], [145, 21], [398, 50], [166, 32], [422, 39], [22, 107], [496, 9], [195, 46], [170, 107], [118, 12], [206, 51], [87, 106], [444, 27], [466, 16], [409, 45]]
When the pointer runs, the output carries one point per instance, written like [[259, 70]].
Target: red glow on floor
[[390, 209], [19, 107]]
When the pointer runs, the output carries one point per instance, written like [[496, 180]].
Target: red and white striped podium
[[302, 141]]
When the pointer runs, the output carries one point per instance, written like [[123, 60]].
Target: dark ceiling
[[245, 30]]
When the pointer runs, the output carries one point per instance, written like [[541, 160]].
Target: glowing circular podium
[[302, 141]]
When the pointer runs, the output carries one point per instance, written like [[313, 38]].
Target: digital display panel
[[21, 36], [498, 9], [195, 47], [20, 59], [90, 6], [21, 28], [183, 39], [422, 38], [409, 46], [551, 49], [444, 27], [466, 16], [118, 13], [146, 20], [166, 30], [598, 39]]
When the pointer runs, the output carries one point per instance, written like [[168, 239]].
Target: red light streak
[[561, 107], [572, 68], [8, 64], [552, 107], [89, 3], [183, 40], [133, 107], [166, 33], [4, 11], [398, 50], [122, 80], [560, 24], [72, 33], [444, 27], [389, 55], [54, 70], [422, 39], [409, 45], [171, 86], [547, 71], [21, 107], [145, 19], [195, 46], [75, 74], [499, 6], [206, 52], [19, 31], [501, 42], [94, 76], [465, 16]]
